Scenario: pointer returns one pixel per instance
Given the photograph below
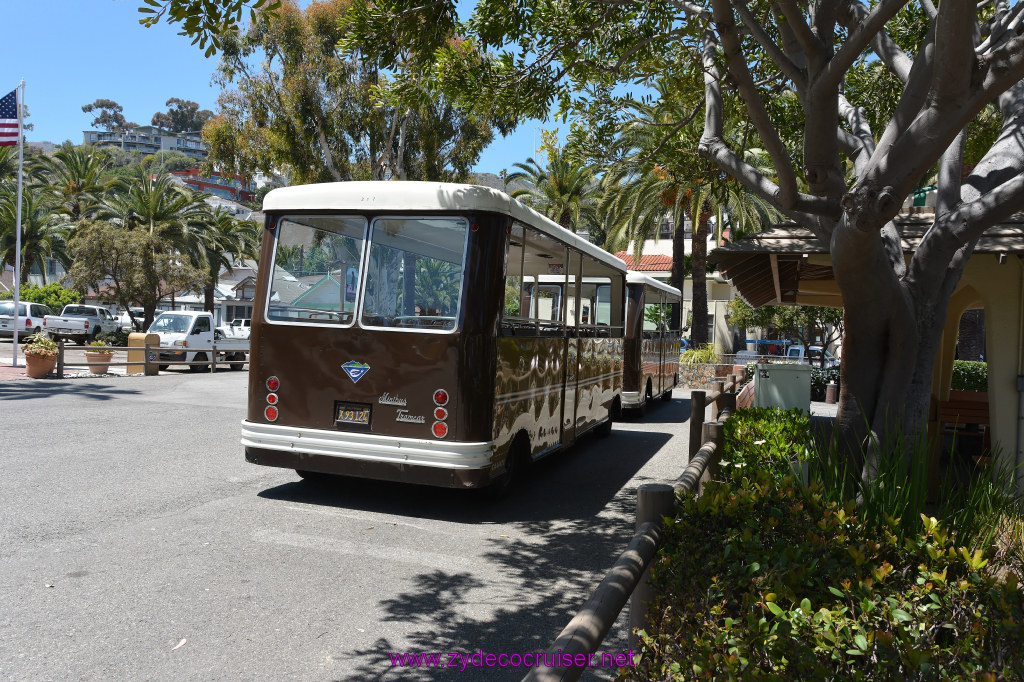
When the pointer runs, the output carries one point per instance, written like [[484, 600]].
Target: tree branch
[[726, 27], [954, 62], [795, 19], [867, 29], [757, 32]]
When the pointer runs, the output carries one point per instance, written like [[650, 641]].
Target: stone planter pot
[[99, 363], [38, 366]]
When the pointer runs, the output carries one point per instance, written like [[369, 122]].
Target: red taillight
[[440, 397], [270, 413], [28, 322], [87, 324], [440, 429], [272, 398], [273, 383], [440, 414]]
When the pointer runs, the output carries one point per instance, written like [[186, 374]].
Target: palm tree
[[168, 213], [223, 240], [74, 177], [566, 192], [659, 175], [43, 232]]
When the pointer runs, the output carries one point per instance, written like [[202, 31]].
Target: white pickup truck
[[80, 322], [180, 331]]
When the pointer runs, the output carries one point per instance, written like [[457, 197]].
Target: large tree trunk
[[699, 258]]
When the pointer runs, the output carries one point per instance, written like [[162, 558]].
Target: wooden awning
[[788, 265]]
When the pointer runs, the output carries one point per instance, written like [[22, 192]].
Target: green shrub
[[705, 355], [118, 337], [767, 581], [765, 439], [53, 295], [969, 376], [820, 378]]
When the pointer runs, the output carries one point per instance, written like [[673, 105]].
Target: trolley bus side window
[[601, 317], [316, 271], [535, 294]]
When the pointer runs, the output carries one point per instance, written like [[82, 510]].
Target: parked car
[[811, 356], [181, 330], [30, 318], [80, 322], [238, 329]]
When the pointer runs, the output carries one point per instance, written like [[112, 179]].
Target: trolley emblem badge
[[355, 370]]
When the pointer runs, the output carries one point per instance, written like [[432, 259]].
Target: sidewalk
[[9, 373]]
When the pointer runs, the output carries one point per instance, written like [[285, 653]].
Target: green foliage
[[820, 378], [99, 348], [807, 323], [705, 355], [205, 21], [969, 376], [765, 439], [53, 295], [118, 337], [772, 581]]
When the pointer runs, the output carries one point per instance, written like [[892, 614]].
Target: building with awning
[[787, 265]]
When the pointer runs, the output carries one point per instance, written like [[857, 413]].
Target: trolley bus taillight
[[270, 413], [273, 383], [272, 398], [440, 414], [440, 397], [440, 429]]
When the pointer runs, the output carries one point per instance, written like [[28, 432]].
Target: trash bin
[[137, 353], [784, 386]]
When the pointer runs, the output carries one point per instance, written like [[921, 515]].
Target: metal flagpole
[[20, 98]]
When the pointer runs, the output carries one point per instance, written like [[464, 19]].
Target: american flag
[[9, 119]]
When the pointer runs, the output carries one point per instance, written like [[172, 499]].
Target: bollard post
[[719, 387], [728, 404], [60, 358], [714, 432], [653, 501], [732, 382], [145, 367], [213, 365], [698, 408]]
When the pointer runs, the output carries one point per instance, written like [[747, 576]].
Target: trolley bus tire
[[605, 429], [515, 463]]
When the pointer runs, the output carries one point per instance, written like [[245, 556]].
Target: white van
[[811, 356]]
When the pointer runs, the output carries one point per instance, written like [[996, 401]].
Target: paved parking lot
[[136, 543]]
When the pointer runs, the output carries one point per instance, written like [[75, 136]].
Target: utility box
[[783, 386], [137, 353]]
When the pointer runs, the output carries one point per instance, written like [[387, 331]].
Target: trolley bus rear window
[[414, 273], [316, 274]]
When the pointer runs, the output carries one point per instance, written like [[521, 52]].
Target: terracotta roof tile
[[653, 263]]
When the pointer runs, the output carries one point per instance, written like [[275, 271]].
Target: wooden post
[[213, 365], [698, 407], [60, 358], [145, 358], [653, 501], [714, 432], [728, 404], [719, 387]]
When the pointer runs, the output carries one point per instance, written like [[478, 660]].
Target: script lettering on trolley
[[388, 399], [404, 416]]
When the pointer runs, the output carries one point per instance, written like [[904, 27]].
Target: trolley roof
[[639, 278], [422, 196]]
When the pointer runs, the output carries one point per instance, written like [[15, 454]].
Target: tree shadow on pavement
[[36, 390], [565, 528]]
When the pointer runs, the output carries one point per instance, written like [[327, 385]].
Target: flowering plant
[[103, 351], [39, 346]]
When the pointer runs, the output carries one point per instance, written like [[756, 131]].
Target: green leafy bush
[[765, 439], [772, 581], [53, 295], [118, 337], [705, 355], [969, 376], [820, 378]]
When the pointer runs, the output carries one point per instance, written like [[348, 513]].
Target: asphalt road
[[136, 543]]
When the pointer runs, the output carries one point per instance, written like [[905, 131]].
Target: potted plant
[[97, 355], [40, 355]]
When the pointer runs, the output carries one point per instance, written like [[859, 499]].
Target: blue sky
[[72, 52]]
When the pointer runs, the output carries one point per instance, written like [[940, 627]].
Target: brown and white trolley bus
[[432, 333], [653, 330]]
